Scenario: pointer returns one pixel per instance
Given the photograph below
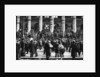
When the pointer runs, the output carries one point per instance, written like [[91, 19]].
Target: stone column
[[40, 23], [74, 24], [29, 24], [63, 25], [18, 23], [52, 24]]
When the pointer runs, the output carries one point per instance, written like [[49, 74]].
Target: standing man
[[22, 47], [47, 50], [81, 47], [32, 48], [73, 49], [35, 48], [17, 49], [61, 49], [56, 49]]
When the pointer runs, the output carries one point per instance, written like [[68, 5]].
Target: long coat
[[18, 51], [74, 50], [22, 48], [47, 49], [32, 48], [81, 47], [56, 47]]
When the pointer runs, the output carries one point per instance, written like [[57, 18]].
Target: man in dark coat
[[74, 50], [52, 42], [47, 50], [44, 47], [78, 48], [81, 47], [35, 48], [26, 47], [56, 49], [32, 48], [22, 47]]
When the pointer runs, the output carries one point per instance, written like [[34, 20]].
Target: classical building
[[61, 26]]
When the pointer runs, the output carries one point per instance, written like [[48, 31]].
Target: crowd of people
[[59, 46]]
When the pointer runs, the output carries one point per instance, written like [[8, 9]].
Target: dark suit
[[81, 48], [47, 50], [56, 49], [78, 48], [74, 50], [23, 48], [18, 51], [32, 49], [35, 46]]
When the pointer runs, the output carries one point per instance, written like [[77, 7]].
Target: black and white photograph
[[49, 38]]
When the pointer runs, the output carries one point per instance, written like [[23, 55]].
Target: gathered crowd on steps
[[58, 46]]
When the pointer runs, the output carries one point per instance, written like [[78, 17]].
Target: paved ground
[[41, 56]]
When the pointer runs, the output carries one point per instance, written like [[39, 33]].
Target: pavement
[[42, 56]]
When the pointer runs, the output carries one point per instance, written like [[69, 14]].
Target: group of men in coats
[[23, 47], [58, 46]]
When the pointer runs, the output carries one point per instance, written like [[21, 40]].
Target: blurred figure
[[18, 51], [61, 49], [47, 49], [56, 49], [81, 47], [35, 48], [51, 46], [73, 49], [52, 42], [78, 47], [32, 47], [22, 47], [44, 46]]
